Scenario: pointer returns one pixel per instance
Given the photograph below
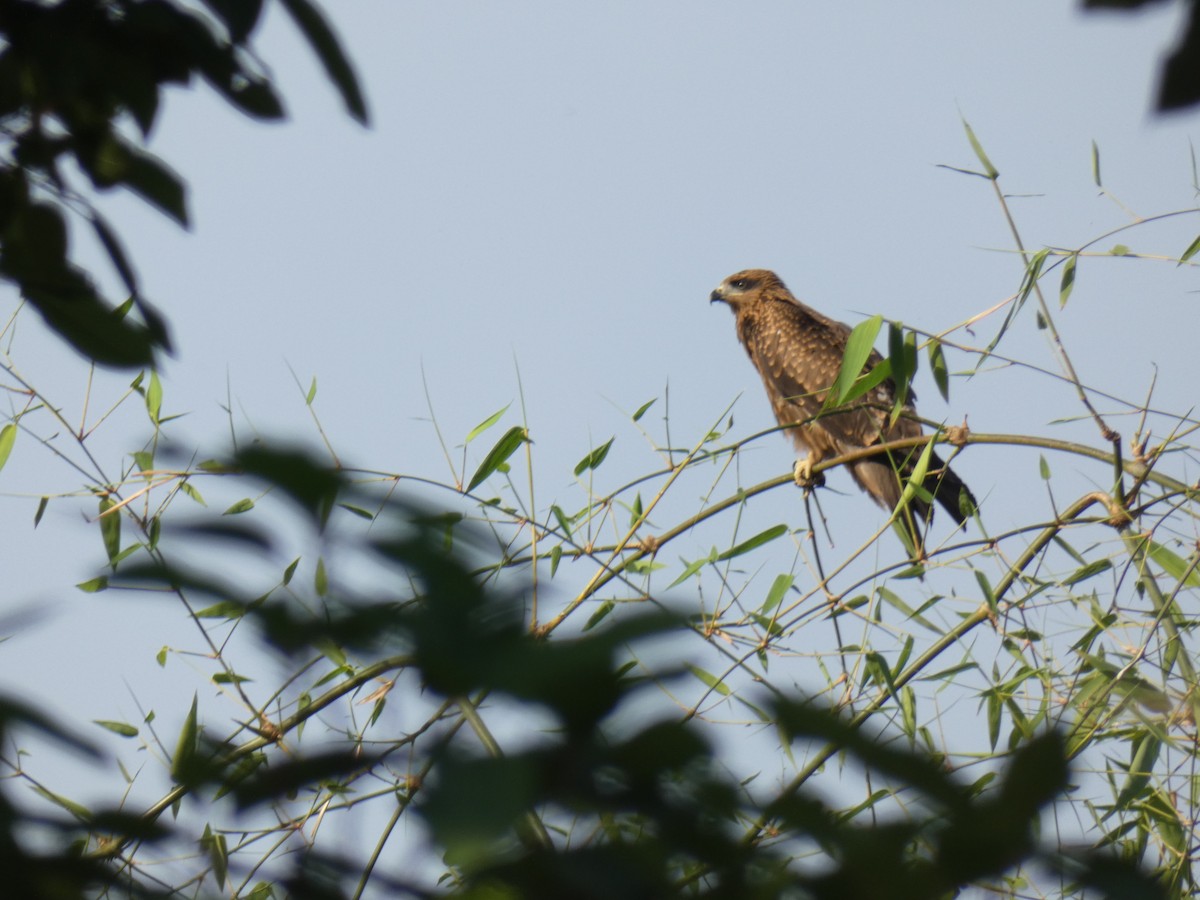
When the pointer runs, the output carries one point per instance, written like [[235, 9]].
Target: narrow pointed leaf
[[763, 537], [8, 437], [185, 747], [593, 459], [992, 173], [498, 455], [1068, 280], [486, 424], [858, 350], [937, 365]]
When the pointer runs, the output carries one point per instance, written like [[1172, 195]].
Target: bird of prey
[[798, 352]]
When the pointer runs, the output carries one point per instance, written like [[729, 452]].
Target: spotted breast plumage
[[798, 352]]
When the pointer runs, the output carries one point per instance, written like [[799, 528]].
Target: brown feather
[[798, 353]]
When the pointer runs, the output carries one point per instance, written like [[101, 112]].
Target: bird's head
[[746, 285]]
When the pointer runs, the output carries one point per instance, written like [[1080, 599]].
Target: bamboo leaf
[[594, 459], [937, 364], [1192, 250], [859, 345], [486, 424], [185, 747], [110, 529], [641, 411], [763, 537], [243, 505], [498, 455], [124, 729], [1068, 280], [711, 680], [8, 437], [1174, 564], [779, 589], [979, 152], [154, 397]]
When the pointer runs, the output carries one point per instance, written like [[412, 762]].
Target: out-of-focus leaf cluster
[[664, 819], [1179, 80], [82, 82]]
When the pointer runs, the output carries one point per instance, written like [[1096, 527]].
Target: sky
[[536, 215]]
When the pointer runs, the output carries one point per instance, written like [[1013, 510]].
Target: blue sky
[[557, 187]]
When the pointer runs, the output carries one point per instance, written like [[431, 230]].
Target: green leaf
[[161, 657], [312, 393], [218, 854], [1089, 571], [1141, 768], [321, 578], [1192, 250], [42, 504], [229, 678], [358, 511], [498, 455], [859, 345], [593, 459], [902, 355], [641, 411], [763, 537], [486, 424], [563, 522], [94, 586], [243, 505], [988, 594], [226, 609], [1096, 164], [124, 729], [290, 571], [187, 487], [779, 589], [1043, 468], [8, 437], [937, 365], [691, 568], [599, 615], [1174, 565], [325, 44], [154, 397], [78, 810], [894, 600], [979, 153], [1068, 280], [110, 529], [185, 747], [711, 680], [1119, 250]]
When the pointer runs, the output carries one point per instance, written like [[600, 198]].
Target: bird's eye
[[740, 283]]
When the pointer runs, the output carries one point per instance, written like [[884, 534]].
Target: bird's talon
[[804, 477]]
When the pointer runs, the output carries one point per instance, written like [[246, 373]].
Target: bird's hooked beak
[[717, 297]]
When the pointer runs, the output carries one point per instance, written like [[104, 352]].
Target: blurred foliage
[[82, 82], [1179, 80], [667, 819]]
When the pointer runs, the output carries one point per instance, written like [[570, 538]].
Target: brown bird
[[798, 352]]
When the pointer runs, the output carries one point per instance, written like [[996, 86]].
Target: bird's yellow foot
[[802, 474]]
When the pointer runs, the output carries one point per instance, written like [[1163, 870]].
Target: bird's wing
[[799, 352]]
